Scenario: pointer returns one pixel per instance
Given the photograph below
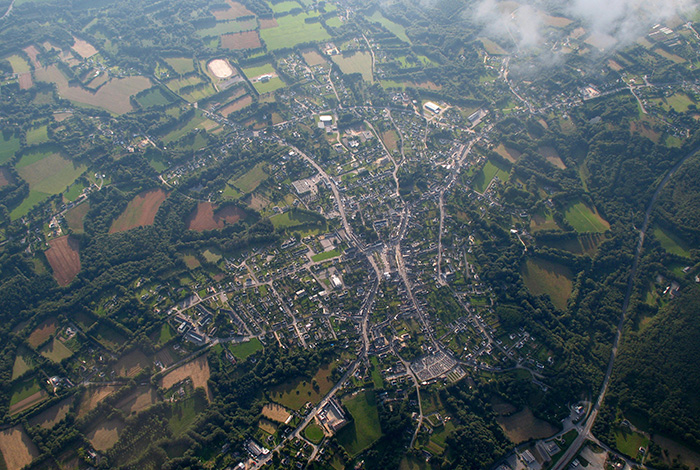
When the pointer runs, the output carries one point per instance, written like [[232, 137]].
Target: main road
[[586, 432]]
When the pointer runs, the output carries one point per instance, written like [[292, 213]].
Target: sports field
[[292, 30], [141, 211]]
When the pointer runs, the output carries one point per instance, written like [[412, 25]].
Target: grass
[[395, 28], [9, 145], [74, 191], [181, 65], [375, 374], [292, 219], [228, 27], [75, 216], [313, 433], [671, 243], [359, 62], [243, 350], [490, 170], [56, 351], [284, 7], [23, 363], [24, 390], [325, 255], [296, 393], [293, 30], [252, 179], [166, 333], [19, 64], [364, 430], [184, 413], [38, 135], [154, 97], [34, 198], [583, 219], [545, 277], [197, 122], [629, 442], [254, 72]]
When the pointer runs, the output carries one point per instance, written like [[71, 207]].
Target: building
[[432, 107], [331, 417]]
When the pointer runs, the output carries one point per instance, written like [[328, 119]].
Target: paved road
[[576, 445], [9, 10]]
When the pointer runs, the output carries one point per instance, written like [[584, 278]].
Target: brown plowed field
[[17, 449], [233, 12], [206, 217], [51, 416], [93, 396], [25, 81], [197, 370], [27, 403], [267, 23], [42, 332], [240, 41], [140, 211], [5, 177], [64, 258]]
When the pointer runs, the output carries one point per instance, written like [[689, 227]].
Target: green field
[[325, 255], [252, 179], [166, 333], [24, 390], [197, 122], [56, 351], [228, 27], [293, 219], [484, 177], [184, 413], [19, 64], [583, 219], [154, 97], [395, 28], [23, 363], [545, 277], [267, 86], [284, 7], [243, 350], [629, 442], [296, 393], [254, 72], [181, 65], [679, 102], [75, 190], [38, 135], [313, 433], [293, 30], [193, 88], [9, 145], [359, 62], [270, 85], [364, 430], [671, 243]]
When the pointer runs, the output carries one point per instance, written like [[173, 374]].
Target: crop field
[[105, 434], [113, 97], [191, 261], [42, 332], [296, 393], [142, 398], [491, 170], [358, 62], [23, 363], [19, 64], [243, 350], [509, 154], [276, 412], [252, 179], [154, 97], [584, 219], [395, 28], [586, 243], [64, 258], [84, 48], [523, 426], [56, 351], [545, 277], [552, 156], [313, 58], [365, 429], [181, 65], [242, 102], [284, 6], [141, 211], [234, 11], [267, 23], [293, 30], [25, 395], [228, 27], [208, 217], [671, 243], [241, 41], [131, 364], [17, 449], [9, 145], [197, 370], [75, 217], [51, 416], [93, 396]]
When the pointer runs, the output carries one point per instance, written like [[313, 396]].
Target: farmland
[[292, 30], [42, 332], [228, 27], [181, 65], [252, 179], [294, 394], [523, 426], [93, 396], [236, 105], [75, 216], [141, 398], [357, 62], [105, 434], [241, 41], [154, 97], [141, 211], [56, 351], [364, 430], [584, 219], [243, 350], [64, 258], [197, 370], [232, 11], [25, 395], [276, 412], [9, 145], [131, 364], [19, 64], [490, 171], [51, 416], [545, 277], [23, 363], [671, 243], [395, 28], [16, 448]]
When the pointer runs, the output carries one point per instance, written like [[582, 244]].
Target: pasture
[[113, 96], [84, 48], [629, 442], [523, 426], [109, 337], [19, 64], [16, 448], [292, 30], [233, 11], [491, 170], [243, 350], [284, 6], [197, 122], [141, 211], [64, 258], [192, 88], [252, 179], [543, 220], [293, 218], [584, 244], [184, 412], [546, 277], [154, 97], [241, 41], [394, 28], [584, 219], [296, 393], [364, 430], [236, 105], [75, 217], [56, 351], [313, 58], [51, 416], [25, 394], [37, 135], [357, 62], [509, 154], [197, 370], [141, 398]]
